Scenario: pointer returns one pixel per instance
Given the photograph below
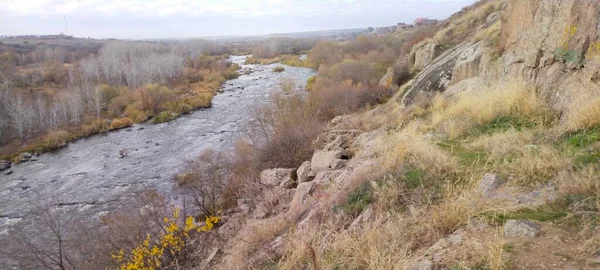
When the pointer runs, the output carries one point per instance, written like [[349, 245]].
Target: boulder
[[338, 164], [323, 177], [420, 265], [302, 195], [321, 160], [303, 173], [260, 212], [5, 164], [468, 64], [521, 228], [340, 141], [288, 183], [8, 171], [488, 183], [435, 77], [423, 54], [327, 177], [274, 177]]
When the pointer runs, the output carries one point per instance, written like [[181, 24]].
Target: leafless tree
[[206, 180], [20, 114]]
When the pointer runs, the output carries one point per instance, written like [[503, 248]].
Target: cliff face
[[544, 42]]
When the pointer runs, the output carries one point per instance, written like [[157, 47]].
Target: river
[[89, 176]]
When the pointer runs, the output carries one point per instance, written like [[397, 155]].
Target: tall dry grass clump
[[458, 115], [409, 146], [583, 110]]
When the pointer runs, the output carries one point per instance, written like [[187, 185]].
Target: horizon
[[185, 19]]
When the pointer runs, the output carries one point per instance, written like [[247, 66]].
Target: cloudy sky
[[195, 18]]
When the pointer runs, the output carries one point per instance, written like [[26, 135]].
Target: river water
[[88, 174]]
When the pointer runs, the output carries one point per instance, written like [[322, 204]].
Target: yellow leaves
[[149, 254], [569, 33], [210, 223], [594, 50]]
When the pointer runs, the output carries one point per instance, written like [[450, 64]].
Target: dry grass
[[388, 242], [523, 155], [583, 110], [463, 25], [410, 146], [118, 123], [253, 238], [490, 35], [468, 110], [496, 257]]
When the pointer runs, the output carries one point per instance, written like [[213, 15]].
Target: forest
[[54, 92]]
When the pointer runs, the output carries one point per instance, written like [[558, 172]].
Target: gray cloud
[[195, 18]]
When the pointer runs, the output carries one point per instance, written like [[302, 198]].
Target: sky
[[141, 19]]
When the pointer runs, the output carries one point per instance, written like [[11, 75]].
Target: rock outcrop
[[303, 173], [323, 160], [540, 42], [521, 228], [275, 177], [438, 76], [423, 54]]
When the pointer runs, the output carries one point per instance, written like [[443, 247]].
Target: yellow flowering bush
[[149, 254]]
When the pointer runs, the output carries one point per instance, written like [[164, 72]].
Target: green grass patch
[[358, 200], [583, 138], [579, 145], [414, 178], [542, 214], [465, 156], [503, 123], [165, 116]]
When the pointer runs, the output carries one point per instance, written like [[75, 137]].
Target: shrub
[[56, 139], [292, 60], [107, 93], [134, 113], [117, 105], [353, 70], [205, 181], [185, 108], [310, 82], [331, 99], [118, 123], [324, 53], [278, 69], [283, 131], [202, 100], [155, 97], [94, 126], [165, 116], [402, 73]]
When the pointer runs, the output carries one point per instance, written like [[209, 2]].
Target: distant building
[[403, 26], [425, 21]]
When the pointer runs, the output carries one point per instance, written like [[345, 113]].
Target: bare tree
[[206, 181], [20, 114]]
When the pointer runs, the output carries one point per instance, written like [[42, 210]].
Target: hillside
[[487, 159]]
